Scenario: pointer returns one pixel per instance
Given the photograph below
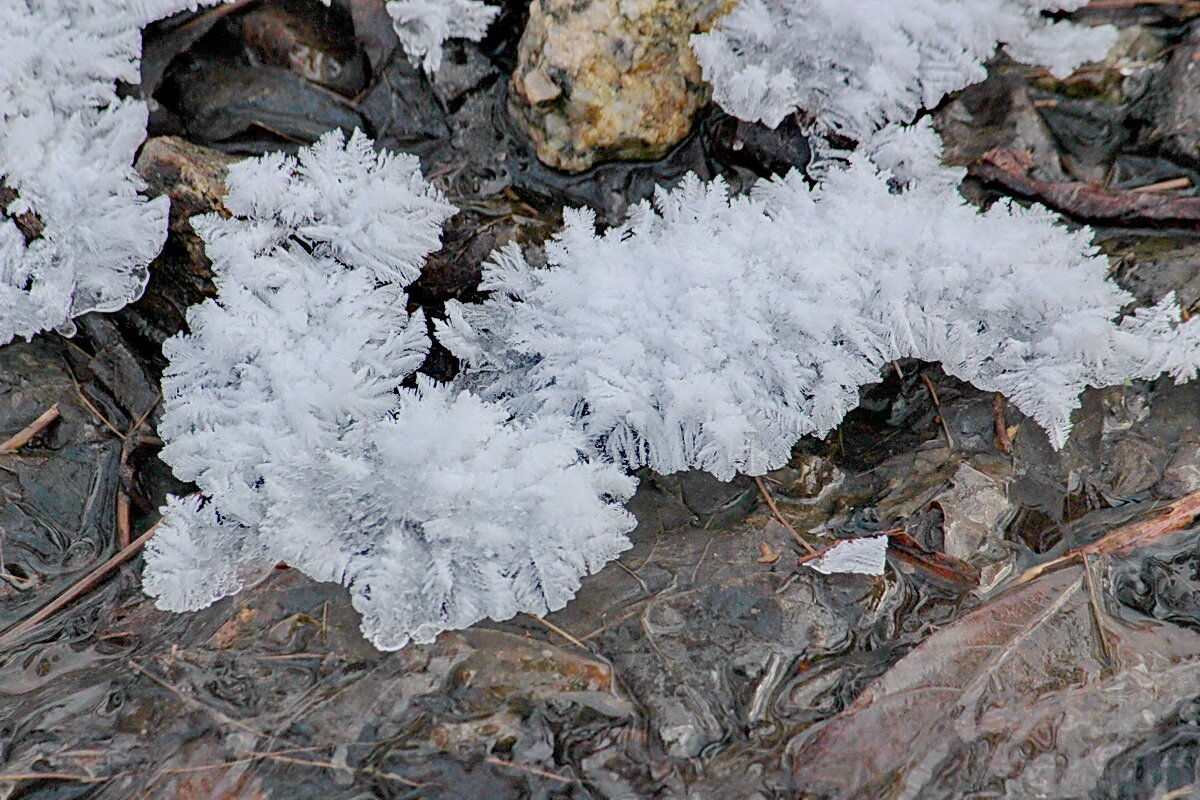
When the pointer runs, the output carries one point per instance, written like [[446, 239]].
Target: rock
[[609, 79]]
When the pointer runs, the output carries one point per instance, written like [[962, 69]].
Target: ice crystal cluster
[[284, 405], [712, 332], [66, 151], [423, 26], [854, 67]]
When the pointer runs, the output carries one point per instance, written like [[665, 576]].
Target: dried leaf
[[1031, 694]]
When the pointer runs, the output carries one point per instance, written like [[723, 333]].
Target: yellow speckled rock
[[609, 79]]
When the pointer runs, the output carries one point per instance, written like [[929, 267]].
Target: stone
[[600, 80]]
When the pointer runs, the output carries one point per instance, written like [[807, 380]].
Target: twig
[[26, 434], [1164, 186], [124, 532], [762, 489], [566, 635], [937, 404], [95, 411], [79, 587], [1000, 425], [54, 776], [1095, 606], [531, 770], [1129, 537]]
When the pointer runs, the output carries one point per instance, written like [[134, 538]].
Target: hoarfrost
[[74, 234], [424, 26], [713, 332], [857, 67], [282, 405]]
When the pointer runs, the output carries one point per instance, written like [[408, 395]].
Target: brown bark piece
[[1010, 169]]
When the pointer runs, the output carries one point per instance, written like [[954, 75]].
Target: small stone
[[609, 79], [539, 88]]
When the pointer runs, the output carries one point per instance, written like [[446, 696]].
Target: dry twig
[[531, 770], [1139, 533], [83, 585], [1000, 425], [937, 404], [766, 494], [26, 434]]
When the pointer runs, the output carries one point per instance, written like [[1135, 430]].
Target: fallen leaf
[[769, 555], [1029, 695]]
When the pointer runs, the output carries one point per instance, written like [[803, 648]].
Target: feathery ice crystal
[[855, 67], [283, 405], [424, 25], [66, 151], [713, 332]]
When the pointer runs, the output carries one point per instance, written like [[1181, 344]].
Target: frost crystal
[[282, 404], [424, 25], [74, 234], [865, 556], [855, 67], [713, 332]]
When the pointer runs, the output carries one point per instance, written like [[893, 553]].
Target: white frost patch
[[855, 67], [712, 332], [283, 404], [424, 26], [865, 556]]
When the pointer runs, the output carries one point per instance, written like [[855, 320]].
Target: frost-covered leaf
[[713, 332], [424, 26], [855, 67], [865, 556], [282, 404]]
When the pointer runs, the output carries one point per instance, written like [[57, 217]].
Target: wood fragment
[[1086, 201], [500, 762], [124, 533], [768, 554], [1143, 531], [766, 494], [78, 588], [937, 404], [943, 569], [1000, 425], [1164, 186], [26, 434]]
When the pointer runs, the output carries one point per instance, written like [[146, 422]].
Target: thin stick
[[26, 434], [938, 405], [79, 587], [762, 489], [1000, 425], [53, 776], [1164, 186], [1143, 531], [124, 533], [91, 407], [554, 776], [560, 632]]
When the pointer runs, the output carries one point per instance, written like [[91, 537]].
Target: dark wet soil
[[706, 662]]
